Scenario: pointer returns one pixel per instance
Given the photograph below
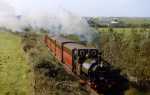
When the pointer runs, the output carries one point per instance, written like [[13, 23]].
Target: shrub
[[128, 51]]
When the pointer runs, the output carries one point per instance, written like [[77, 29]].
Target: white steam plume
[[63, 22], [7, 16]]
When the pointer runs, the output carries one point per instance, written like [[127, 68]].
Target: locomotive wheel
[[92, 84]]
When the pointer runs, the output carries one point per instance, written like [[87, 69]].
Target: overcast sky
[[132, 8]]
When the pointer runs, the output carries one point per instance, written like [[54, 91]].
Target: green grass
[[14, 70]]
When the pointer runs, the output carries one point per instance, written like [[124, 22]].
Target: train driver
[[75, 60]]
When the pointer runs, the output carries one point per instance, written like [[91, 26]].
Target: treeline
[[93, 22]]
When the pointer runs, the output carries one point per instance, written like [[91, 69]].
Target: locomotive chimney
[[99, 57]]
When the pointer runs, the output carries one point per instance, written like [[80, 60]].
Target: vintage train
[[85, 62]]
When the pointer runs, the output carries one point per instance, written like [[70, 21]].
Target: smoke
[[7, 16], [67, 23], [63, 22]]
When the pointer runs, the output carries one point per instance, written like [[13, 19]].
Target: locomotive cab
[[86, 58]]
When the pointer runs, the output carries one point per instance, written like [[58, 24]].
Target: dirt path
[[14, 70]]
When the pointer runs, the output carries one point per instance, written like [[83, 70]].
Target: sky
[[130, 8]]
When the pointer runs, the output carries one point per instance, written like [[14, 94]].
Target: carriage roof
[[72, 44]]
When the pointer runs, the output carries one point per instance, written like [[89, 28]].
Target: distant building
[[115, 22], [104, 21]]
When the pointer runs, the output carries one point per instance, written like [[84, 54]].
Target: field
[[14, 71], [136, 21]]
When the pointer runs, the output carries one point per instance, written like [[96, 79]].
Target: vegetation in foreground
[[14, 70]]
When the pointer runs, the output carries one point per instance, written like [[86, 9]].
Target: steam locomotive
[[86, 62]]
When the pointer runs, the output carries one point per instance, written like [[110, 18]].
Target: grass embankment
[[14, 79]]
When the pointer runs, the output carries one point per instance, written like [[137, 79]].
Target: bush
[[128, 51], [132, 92]]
